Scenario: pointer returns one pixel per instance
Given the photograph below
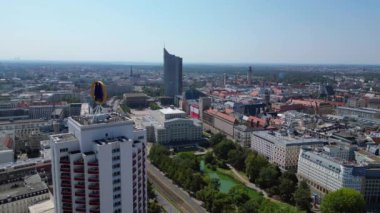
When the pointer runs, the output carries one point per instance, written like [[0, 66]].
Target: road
[[182, 201], [169, 208]]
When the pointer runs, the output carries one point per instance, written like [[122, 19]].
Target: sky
[[199, 31]]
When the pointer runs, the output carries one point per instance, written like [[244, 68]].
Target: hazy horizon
[[201, 32]]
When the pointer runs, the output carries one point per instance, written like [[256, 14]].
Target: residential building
[[216, 121], [99, 165], [16, 195], [367, 113], [172, 74], [282, 149], [242, 135]]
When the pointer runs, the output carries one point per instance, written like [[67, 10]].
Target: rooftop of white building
[[91, 119], [276, 137], [171, 111]]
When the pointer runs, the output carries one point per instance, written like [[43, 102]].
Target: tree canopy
[[344, 200]]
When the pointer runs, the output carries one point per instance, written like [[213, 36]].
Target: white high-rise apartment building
[[99, 166]]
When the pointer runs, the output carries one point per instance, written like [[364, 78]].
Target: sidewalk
[[249, 184]]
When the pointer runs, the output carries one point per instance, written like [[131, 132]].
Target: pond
[[226, 182]]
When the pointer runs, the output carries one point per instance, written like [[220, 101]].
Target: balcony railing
[[79, 178], [94, 195], [93, 171], [94, 163], [81, 201], [94, 186], [79, 186], [94, 202]]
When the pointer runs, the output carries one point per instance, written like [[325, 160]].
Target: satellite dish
[[99, 92]]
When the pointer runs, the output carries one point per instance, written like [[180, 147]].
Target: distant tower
[[267, 99], [224, 79], [172, 74], [249, 76], [131, 72]]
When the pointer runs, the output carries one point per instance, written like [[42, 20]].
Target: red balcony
[[94, 163], [93, 180], [93, 171], [80, 162], [66, 192], [94, 186], [66, 201], [94, 202], [81, 170], [67, 208], [81, 201], [79, 186], [81, 178], [64, 162], [80, 194], [65, 178], [81, 209], [94, 195], [65, 169]]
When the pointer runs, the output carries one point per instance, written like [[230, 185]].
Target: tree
[[238, 195], [214, 183], [268, 176], [343, 200], [286, 189], [288, 185], [254, 163], [302, 196], [221, 149], [222, 204], [251, 206], [236, 158], [209, 158], [217, 138]]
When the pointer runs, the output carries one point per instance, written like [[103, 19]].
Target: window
[[116, 166], [116, 158], [64, 150], [116, 181], [117, 196], [115, 150], [116, 173], [115, 189]]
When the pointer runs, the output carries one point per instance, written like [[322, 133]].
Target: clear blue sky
[[228, 31]]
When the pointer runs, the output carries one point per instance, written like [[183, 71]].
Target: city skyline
[[242, 32]]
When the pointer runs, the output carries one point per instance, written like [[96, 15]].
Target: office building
[[136, 100], [172, 74], [281, 148], [99, 165], [170, 127], [249, 76], [325, 173]]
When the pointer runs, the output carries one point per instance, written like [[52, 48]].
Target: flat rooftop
[[171, 111], [276, 137], [22, 190], [104, 118], [63, 137]]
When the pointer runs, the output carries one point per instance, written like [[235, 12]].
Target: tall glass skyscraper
[[172, 74]]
